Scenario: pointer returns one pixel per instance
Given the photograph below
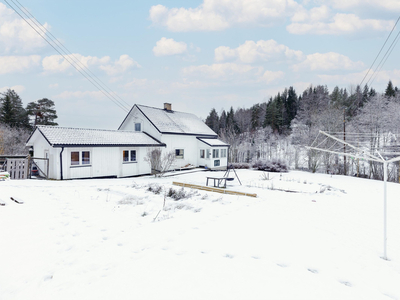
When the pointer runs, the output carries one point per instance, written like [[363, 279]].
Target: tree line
[[280, 127], [16, 122]]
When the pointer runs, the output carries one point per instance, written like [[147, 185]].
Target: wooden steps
[[213, 189]]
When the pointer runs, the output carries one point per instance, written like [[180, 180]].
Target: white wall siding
[[137, 117]]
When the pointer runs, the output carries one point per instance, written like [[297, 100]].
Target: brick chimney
[[168, 106]]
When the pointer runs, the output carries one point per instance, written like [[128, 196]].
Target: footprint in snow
[[313, 271], [227, 255], [282, 265], [346, 283]]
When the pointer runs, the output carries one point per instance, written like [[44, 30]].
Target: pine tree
[[43, 112], [212, 120], [390, 92], [12, 112]]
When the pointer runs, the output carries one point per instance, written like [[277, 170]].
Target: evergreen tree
[[212, 120], [42, 111], [12, 112], [222, 121], [390, 92], [255, 117], [291, 106]]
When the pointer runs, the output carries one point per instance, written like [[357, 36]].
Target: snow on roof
[[214, 142], [175, 121], [63, 136]]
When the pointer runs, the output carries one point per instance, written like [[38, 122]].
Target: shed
[[91, 153]]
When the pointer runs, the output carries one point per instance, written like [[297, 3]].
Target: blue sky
[[197, 55]]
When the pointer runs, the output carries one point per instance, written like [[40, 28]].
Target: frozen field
[[112, 239]]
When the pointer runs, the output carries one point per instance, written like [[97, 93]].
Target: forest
[[278, 130]]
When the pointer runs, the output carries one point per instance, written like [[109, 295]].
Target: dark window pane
[[74, 158], [133, 155], [125, 156], [138, 127], [85, 158]]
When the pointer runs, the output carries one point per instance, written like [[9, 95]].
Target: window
[[215, 153], [178, 153], [79, 158], [85, 158], [202, 153], [208, 153], [125, 155], [216, 163], [133, 155], [223, 152], [129, 156], [74, 158], [138, 127]]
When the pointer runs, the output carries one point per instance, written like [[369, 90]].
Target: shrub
[[155, 188], [240, 165], [180, 194], [270, 166]]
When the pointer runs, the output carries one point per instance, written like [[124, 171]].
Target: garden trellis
[[374, 147]]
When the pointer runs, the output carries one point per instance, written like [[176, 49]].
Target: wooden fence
[[18, 168]]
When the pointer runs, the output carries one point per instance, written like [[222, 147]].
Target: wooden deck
[[213, 189]]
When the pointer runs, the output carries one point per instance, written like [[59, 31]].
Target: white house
[[89, 153]]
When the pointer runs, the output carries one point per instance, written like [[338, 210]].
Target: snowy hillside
[[112, 239]]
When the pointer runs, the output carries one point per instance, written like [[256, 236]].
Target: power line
[[379, 53], [68, 56]]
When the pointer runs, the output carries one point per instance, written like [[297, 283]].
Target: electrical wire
[[380, 51], [68, 56]]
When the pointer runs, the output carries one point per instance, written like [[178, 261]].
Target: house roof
[[74, 137], [175, 122], [213, 142]]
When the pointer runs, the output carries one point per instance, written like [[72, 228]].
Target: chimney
[[167, 106]]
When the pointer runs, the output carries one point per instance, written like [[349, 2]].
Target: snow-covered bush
[[270, 165], [180, 194], [155, 188], [240, 165]]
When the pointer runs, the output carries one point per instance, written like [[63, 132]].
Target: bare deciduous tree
[[159, 163]]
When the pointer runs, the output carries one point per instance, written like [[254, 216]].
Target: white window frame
[[215, 153], [129, 156], [140, 126], [81, 162], [180, 156], [223, 153], [208, 154], [202, 153]]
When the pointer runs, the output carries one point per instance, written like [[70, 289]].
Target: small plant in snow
[[180, 194], [265, 176], [155, 188]]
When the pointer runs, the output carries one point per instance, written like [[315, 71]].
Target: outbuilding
[[88, 153]]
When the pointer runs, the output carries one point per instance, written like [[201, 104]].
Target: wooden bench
[[219, 180]]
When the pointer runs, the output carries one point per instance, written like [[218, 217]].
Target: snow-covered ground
[[112, 239]]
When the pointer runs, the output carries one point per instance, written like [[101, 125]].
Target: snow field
[[112, 239]]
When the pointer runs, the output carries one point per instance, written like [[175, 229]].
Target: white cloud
[[214, 15], [122, 65], [53, 86], [339, 24], [166, 47], [313, 15], [270, 76], [221, 71], [16, 35], [327, 61], [251, 52], [18, 64], [390, 5], [57, 63], [17, 88]]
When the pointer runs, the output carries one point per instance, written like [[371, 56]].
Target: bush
[[240, 165], [270, 166], [155, 188], [180, 194]]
